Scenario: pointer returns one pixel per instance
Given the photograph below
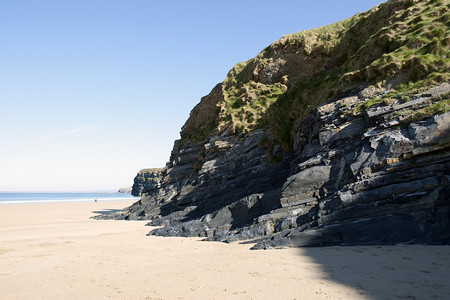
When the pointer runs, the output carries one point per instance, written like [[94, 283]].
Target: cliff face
[[338, 135], [372, 177], [125, 190], [145, 181]]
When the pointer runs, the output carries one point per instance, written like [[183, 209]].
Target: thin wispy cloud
[[56, 136], [79, 129]]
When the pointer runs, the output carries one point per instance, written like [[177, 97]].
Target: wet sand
[[55, 251]]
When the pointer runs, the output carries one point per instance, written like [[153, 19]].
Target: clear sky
[[92, 91]]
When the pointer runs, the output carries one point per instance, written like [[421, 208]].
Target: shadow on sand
[[387, 272], [105, 211]]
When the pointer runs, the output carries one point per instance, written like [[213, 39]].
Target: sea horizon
[[109, 191], [61, 197]]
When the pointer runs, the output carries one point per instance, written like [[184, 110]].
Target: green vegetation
[[276, 159], [405, 42], [153, 174], [246, 103], [372, 101], [436, 105], [202, 132], [435, 108], [150, 170]]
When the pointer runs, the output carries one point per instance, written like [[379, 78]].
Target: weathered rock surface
[[369, 165], [384, 184], [363, 182], [145, 181]]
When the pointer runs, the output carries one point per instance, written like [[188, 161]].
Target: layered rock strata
[[354, 177], [145, 181], [335, 136], [372, 177]]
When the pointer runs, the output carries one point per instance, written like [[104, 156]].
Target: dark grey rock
[[304, 185], [348, 181], [145, 181]]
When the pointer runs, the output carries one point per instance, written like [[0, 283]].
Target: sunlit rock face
[[333, 136], [145, 181]]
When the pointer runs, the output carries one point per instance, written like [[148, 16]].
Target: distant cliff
[[145, 181], [125, 190], [338, 135]]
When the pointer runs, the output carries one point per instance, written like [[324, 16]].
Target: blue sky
[[93, 91]]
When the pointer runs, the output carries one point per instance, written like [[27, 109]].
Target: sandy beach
[[55, 251]]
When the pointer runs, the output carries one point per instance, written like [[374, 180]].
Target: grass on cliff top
[[245, 106], [150, 170], [420, 48], [406, 39]]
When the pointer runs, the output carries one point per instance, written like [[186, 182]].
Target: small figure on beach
[[95, 200]]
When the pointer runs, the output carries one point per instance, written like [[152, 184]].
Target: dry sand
[[54, 251]]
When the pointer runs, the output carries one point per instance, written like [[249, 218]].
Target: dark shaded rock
[[344, 184], [145, 181], [385, 230], [314, 141]]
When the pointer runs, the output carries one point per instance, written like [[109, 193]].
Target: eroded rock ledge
[[337, 135], [373, 177], [355, 176], [145, 181]]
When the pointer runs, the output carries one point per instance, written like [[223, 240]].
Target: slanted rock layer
[[368, 178], [145, 181]]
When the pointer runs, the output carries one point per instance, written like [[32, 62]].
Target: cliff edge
[[145, 181], [338, 135]]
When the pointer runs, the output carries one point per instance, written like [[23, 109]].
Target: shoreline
[[62, 201], [92, 197], [55, 251]]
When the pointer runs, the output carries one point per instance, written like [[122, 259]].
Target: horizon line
[[67, 191]]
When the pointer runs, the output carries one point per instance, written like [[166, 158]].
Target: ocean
[[14, 198]]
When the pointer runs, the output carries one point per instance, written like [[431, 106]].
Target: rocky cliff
[[125, 190], [145, 181], [337, 135]]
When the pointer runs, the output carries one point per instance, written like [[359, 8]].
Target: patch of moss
[[435, 108], [277, 159], [199, 135], [445, 96], [246, 103]]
